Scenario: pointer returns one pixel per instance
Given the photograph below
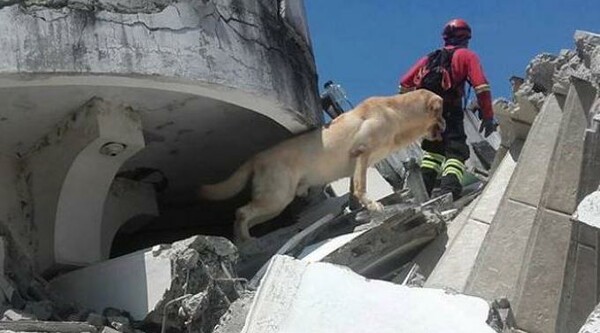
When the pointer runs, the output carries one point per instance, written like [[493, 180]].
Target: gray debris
[[592, 324], [16, 315], [540, 71], [107, 329], [96, 320], [42, 310], [203, 287], [233, 320], [120, 323], [379, 251]]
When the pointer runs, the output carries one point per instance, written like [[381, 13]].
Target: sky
[[366, 45]]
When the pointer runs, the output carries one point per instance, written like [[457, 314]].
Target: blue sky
[[367, 44]]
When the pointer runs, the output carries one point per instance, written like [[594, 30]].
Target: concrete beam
[[71, 170]]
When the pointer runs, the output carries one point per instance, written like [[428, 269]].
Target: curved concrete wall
[[255, 48], [211, 82]]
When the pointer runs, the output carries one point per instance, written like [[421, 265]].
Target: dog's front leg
[[360, 183]]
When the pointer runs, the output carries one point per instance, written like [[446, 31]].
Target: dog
[[350, 144]]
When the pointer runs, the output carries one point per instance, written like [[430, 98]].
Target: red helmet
[[457, 28]]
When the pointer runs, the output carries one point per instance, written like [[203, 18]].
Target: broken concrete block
[[586, 43], [16, 315], [298, 296], [120, 323], [107, 329], [588, 210], [144, 282], [381, 250], [233, 320], [541, 69], [592, 324]]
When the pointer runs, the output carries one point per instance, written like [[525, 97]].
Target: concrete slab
[[304, 297], [585, 290], [135, 282], [530, 175], [542, 271], [564, 177], [491, 197], [455, 266], [495, 273], [431, 255]]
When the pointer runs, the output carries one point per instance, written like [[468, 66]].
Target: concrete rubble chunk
[[588, 210], [233, 320], [587, 44], [16, 315], [107, 329], [297, 296], [383, 249], [192, 282], [592, 324], [541, 69]]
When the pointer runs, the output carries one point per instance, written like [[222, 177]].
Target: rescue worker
[[451, 66]]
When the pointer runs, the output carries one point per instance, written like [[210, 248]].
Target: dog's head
[[434, 107]]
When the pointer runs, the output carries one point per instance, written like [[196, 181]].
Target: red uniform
[[465, 68]]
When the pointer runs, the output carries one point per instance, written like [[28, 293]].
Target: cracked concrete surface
[[245, 45]]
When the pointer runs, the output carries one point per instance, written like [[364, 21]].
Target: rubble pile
[[203, 287], [187, 286]]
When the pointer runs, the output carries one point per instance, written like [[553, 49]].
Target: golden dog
[[347, 147]]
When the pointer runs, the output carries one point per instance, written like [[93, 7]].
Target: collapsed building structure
[[114, 111]]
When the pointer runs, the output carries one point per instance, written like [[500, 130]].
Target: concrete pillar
[[126, 200], [553, 236], [71, 170], [494, 274]]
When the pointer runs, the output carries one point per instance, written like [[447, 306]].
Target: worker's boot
[[429, 179], [452, 175], [431, 166], [450, 184]]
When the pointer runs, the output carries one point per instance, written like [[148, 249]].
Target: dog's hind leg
[[272, 192]]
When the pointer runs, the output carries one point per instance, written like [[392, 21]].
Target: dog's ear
[[435, 106]]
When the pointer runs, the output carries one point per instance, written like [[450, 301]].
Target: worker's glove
[[489, 125]]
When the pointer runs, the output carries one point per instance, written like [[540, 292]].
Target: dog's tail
[[229, 187]]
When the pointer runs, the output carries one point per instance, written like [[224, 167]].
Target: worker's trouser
[[447, 157]]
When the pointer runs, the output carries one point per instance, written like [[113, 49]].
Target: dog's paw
[[375, 206]]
